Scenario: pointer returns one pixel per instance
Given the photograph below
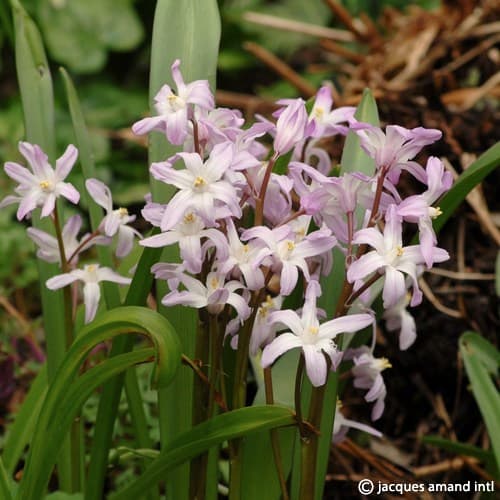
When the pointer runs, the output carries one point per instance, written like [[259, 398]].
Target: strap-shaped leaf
[[22, 429], [479, 356], [110, 324], [221, 428], [4, 483], [467, 181]]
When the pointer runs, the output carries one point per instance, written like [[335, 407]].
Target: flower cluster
[[40, 188], [250, 234], [255, 223]]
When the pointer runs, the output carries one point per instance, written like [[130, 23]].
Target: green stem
[[200, 409], [75, 437], [309, 450]]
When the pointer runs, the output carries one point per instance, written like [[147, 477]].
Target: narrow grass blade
[[479, 355], [221, 428], [4, 483], [86, 157], [460, 448]]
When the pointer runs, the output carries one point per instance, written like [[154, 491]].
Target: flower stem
[[259, 202], [75, 437]]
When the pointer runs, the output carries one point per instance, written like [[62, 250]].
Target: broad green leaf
[[79, 34], [189, 31], [224, 427], [21, 431], [259, 477], [467, 181], [477, 354], [109, 325], [354, 159], [194, 39], [459, 448]]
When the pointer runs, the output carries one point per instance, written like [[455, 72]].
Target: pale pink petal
[[100, 193], [65, 163], [61, 281], [316, 367], [91, 296], [279, 346]]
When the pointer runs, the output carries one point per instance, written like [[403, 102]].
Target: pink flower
[[115, 221], [48, 247], [43, 185], [315, 340], [291, 125], [188, 233], [419, 209], [288, 254], [214, 295], [201, 186], [91, 275], [367, 375], [393, 150], [391, 258], [174, 110], [324, 121]]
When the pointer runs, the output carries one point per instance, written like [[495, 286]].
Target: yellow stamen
[[436, 212], [383, 363], [122, 212], [214, 283], [45, 185], [199, 182], [399, 251], [290, 245], [314, 330], [189, 218]]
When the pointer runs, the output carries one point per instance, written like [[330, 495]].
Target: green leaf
[[354, 159], [221, 428], [86, 156], [79, 34], [194, 39], [19, 435], [5, 491], [55, 413], [467, 181], [459, 448], [479, 357], [190, 31], [108, 404]]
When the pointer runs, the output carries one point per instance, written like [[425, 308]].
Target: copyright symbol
[[365, 486]]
